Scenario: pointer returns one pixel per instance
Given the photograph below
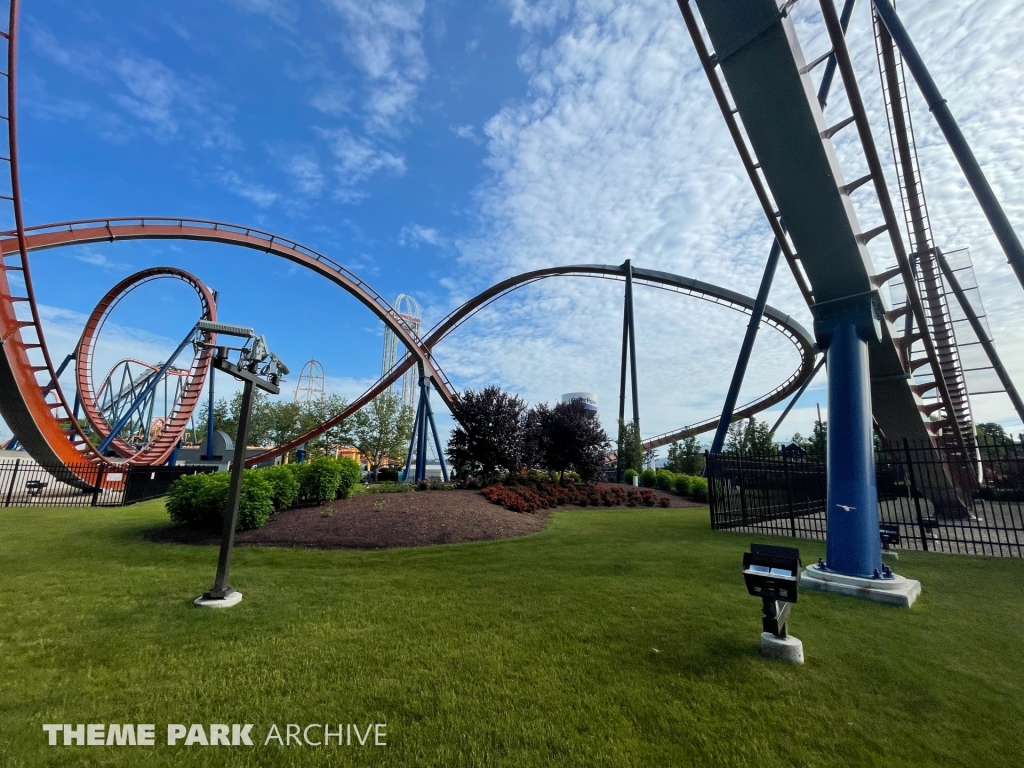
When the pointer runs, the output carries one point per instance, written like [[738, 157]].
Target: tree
[[630, 452], [574, 439], [382, 430], [750, 436], [816, 444], [535, 437], [685, 457], [488, 438]]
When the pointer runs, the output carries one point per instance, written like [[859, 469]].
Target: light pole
[[257, 367]]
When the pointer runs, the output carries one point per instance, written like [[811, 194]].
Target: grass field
[[613, 638]]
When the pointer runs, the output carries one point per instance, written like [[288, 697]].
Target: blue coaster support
[[423, 422], [843, 328]]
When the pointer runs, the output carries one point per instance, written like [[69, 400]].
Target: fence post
[[743, 487], [789, 496], [100, 473], [917, 500], [10, 490], [709, 475]]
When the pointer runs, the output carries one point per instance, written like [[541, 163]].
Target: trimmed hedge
[[664, 479], [628, 475], [648, 478], [528, 496], [682, 485], [201, 499], [699, 488]]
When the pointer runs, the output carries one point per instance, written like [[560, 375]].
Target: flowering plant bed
[[530, 496]]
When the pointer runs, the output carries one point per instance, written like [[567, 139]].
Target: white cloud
[[305, 169], [465, 132], [358, 159], [618, 150], [88, 255], [414, 234], [384, 40], [251, 191]]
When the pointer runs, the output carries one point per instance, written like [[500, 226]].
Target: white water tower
[[589, 399]]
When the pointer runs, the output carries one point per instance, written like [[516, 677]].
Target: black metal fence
[[941, 499], [23, 483]]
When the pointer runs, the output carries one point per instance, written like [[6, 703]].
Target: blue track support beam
[[412, 442], [433, 431], [421, 438], [844, 327], [150, 386], [798, 395], [748, 346], [993, 211], [300, 454]]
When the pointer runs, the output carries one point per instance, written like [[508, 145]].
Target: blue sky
[[436, 147]]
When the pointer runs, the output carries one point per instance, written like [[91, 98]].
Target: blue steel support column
[[748, 345], [632, 343], [622, 375], [421, 437], [993, 211], [412, 441], [433, 431], [114, 430], [843, 328]]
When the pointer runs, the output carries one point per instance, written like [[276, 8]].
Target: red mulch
[[382, 520]]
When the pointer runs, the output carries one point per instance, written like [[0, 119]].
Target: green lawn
[[613, 638]]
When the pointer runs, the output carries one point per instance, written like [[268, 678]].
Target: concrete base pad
[[787, 649], [891, 554], [226, 602], [895, 591]]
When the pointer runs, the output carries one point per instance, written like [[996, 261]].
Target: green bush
[[285, 486], [648, 478], [628, 475], [183, 499], [256, 504], [349, 475], [300, 472], [201, 500], [683, 484], [389, 488], [321, 482], [699, 488], [664, 480]]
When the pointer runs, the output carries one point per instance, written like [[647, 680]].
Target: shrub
[[389, 488], [183, 499], [440, 485], [682, 485], [663, 501], [201, 500], [648, 478], [322, 480], [699, 488], [285, 487], [256, 504], [349, 475], [628, 475], [664, 479], [299, 472]]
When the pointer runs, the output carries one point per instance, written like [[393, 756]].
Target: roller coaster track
[[158, 450], [780, 321], [787, 149], [38, 414]]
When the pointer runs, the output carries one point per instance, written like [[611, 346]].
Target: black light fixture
[[773, 574], [257, 367]]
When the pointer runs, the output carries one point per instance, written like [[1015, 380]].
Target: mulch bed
[[382, 520]]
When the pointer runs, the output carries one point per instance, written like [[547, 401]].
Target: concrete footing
[[225, 602], [788, 649], [895, 591]]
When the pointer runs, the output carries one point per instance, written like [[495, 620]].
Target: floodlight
[[773, 574], [225, 328], [889, 533]]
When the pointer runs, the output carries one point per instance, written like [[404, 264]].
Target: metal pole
[[979, 331], [209, 420], [221, 589], [412, 442], [622, 376], [993, 211], [747, 347], [632, 342], [798, 395], [421, 439], [10, 489], [437, 439]]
